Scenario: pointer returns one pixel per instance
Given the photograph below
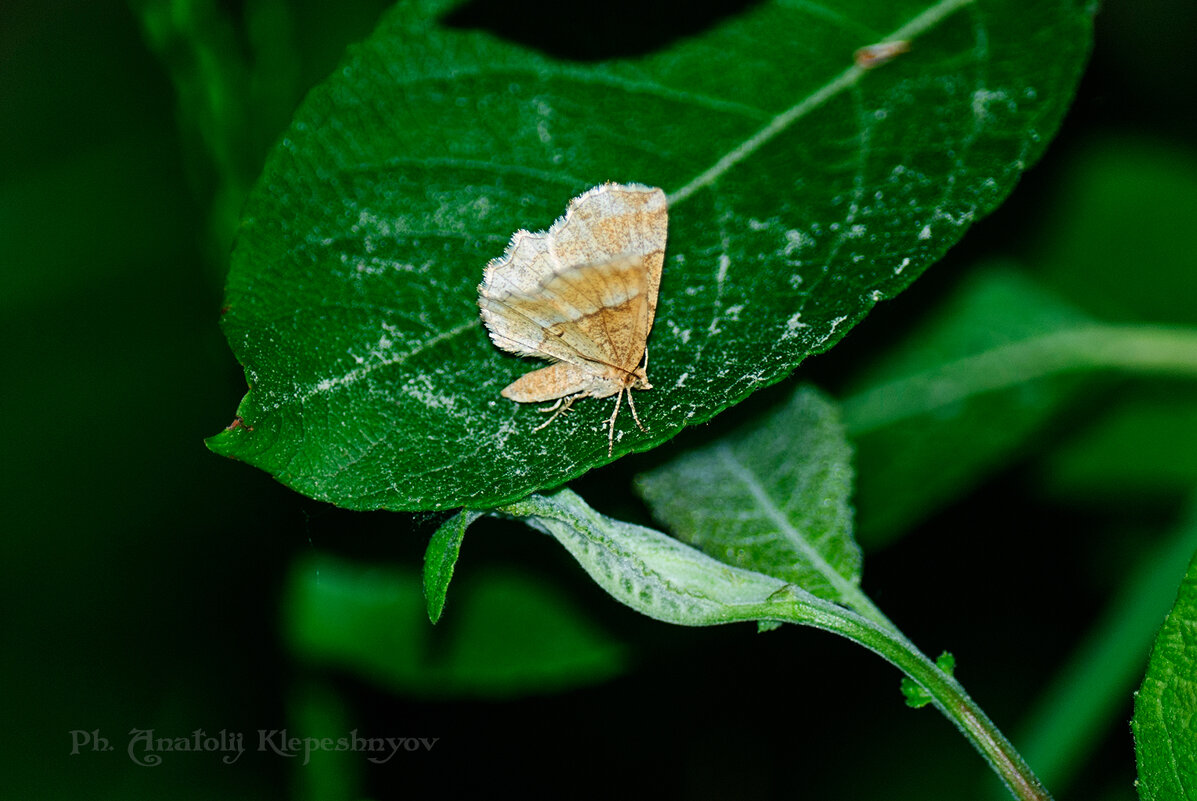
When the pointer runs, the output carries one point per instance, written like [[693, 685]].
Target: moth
[[582, 295]]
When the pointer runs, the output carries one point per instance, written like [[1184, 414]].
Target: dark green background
[[143, 576]]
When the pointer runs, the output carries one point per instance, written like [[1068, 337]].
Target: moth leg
[[559, 408], [632, 406], [552, 408], [611, 422]]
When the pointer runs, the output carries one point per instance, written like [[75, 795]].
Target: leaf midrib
[[848, 591]]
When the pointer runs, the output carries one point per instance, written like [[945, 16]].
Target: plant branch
[[1141, 349], [667, 580], [947, 695]]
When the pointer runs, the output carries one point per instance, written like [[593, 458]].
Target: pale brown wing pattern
[[550, 383], [596, 313], [582, 294], [631, 222], [585, 290]]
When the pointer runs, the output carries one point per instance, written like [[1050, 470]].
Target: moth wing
[[585, 291], [556, 381], [605, 309], [615, 221]]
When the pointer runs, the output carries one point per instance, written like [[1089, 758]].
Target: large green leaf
[[772, 498], [1165, 721], [803, 191]]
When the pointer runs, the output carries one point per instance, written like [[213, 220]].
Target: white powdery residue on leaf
[[505, 430], [368, 223], [733, 313], [678, 332], [421, 388], [544, 111], [797, 240], [391, 359], [724, 263], [925, 233], [482, 205], [371, 266], [793, 325], [903, 265], [681, 380], [965, 217], [984, 98]]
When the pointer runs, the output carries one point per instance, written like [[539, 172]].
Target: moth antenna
[[632, 406], [611, 422]]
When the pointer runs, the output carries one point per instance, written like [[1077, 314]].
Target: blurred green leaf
[[1086, 699], [440, 559], [1165, 722], [318, 711], [803, 191], [1124, 207], [1146, 445], [772, 497], [907, 468], [512, 635]]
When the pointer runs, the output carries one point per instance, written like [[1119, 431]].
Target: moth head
[[638, 379]]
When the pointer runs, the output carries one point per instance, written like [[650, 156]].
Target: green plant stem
[[673, 582], [1159, 350], [947, 694]]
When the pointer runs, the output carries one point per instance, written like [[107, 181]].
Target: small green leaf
[[1165, 722], [648, 570], [441, 557], [772, 497], [513, 635], [917, 696], [803, 191]]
